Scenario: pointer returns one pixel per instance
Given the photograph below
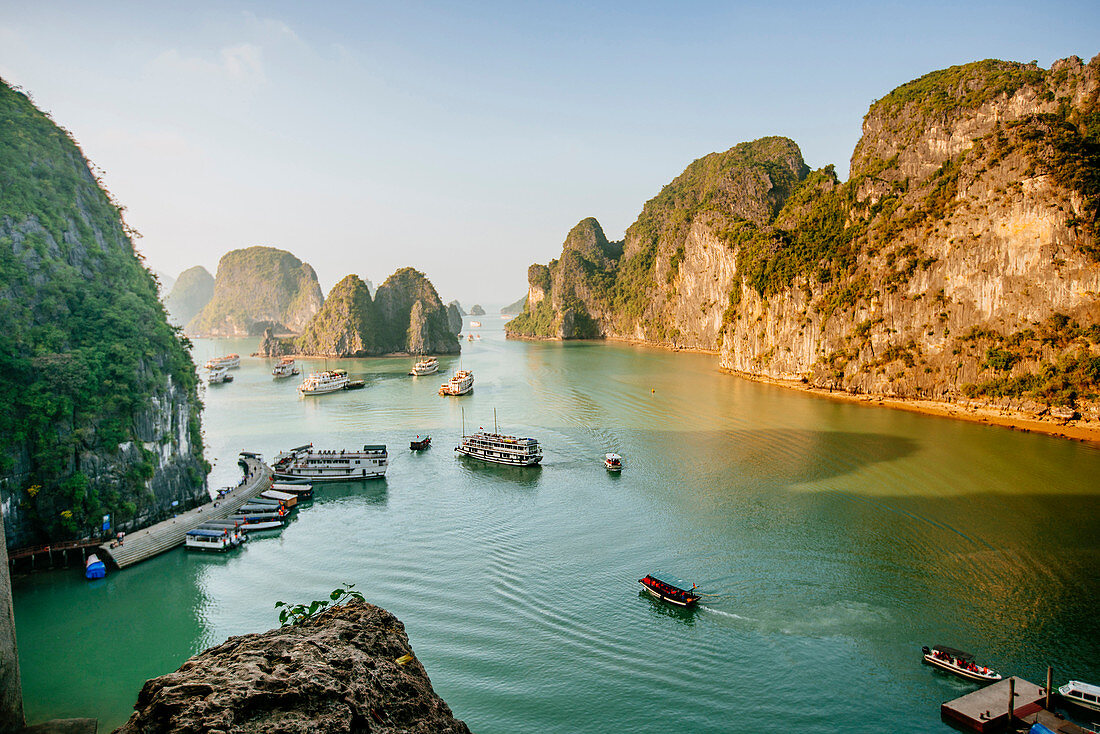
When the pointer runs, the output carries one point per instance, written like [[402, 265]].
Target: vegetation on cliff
[[973, 201], [90, 369], [189, 295], [406, 315], [346, 326], [258, 287]]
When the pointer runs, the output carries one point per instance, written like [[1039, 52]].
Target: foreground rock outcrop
[[961, 259], [101, 411], [256, 288], [336, 674]]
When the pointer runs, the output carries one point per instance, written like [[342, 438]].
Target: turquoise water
[[835, 539]]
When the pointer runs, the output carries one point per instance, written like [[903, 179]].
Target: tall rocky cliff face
[[405, 316], [350, 670], [189, 295], [256, 288], [959, 259], [101, 408]]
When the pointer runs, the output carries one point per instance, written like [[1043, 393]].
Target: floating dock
[[164, 536], [986, 710]]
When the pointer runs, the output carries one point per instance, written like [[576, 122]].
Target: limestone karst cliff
[[350, 670], [189, 295], [405, 316], [255, 288], [959, 259], [101, 413]]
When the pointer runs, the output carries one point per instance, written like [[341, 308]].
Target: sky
[[465, 139]]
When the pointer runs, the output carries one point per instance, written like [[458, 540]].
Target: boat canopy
[[953, 652], [204, 533], [274, 494]]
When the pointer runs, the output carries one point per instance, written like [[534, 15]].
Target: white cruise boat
[[229, 362], [501, 449], [1082, 694], [460, 384], [319, 383], [318, 465], [425, 367], [212, 539], [219, 375], [286, 368]]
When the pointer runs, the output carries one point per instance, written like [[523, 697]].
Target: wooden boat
[[261, 525], [959, 663], [286, 499], [355, 385], [613, 462], [425, 366], [420, 443], [1085, 695], [301, 490], [211, 539], [668, 592], [94, 568]]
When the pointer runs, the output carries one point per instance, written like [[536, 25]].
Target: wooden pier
[[168, 534], [988, 709]]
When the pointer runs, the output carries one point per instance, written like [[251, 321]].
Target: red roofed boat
[[668, 592]]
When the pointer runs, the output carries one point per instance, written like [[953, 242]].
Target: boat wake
[[721, 613]]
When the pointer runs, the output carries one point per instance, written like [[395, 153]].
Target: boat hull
[[508, 460], [322, 476], [961, 672], [671, 600], [322, 390]]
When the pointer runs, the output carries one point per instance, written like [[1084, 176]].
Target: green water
[[836, 539]]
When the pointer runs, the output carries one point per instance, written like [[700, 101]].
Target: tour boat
[[958, 662], [613, 462], [420, 443], [219, 375], [460, 384], [475, 324], [1082, 694], [425, 367], [229, 362], [306, 462], [286, 368], [94, 568], [668, 592], [210, 539], [501, 449], [319, 383]]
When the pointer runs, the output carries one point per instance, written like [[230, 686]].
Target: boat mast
[[495, 429]]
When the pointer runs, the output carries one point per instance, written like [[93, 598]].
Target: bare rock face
[[272, 346], [336, 674]]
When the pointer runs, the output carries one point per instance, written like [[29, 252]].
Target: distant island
[[189, 295], [516, 308], [405, 316], [477, 310], [256, 288], [960, 261]]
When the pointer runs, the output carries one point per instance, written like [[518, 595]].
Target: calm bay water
[[836, 539]]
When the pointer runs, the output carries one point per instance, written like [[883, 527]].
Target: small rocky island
[[406, 316], [350, 670]]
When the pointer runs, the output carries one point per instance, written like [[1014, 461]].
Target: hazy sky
[[465, 139]]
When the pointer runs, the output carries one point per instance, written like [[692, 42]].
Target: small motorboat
[[420, 443], [668, 592], [958, 662], [1085, 695], [613, 462], [355, 385], [94, 568]]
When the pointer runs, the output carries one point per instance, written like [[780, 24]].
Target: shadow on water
[[524, 476], [684, 615], [373, 491]]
